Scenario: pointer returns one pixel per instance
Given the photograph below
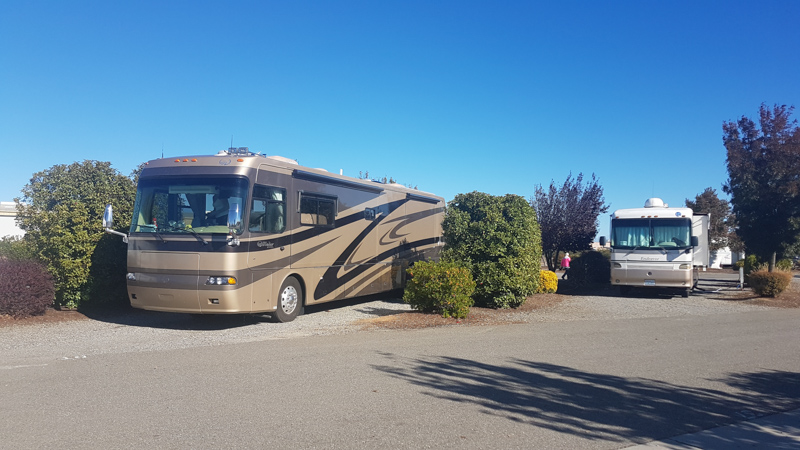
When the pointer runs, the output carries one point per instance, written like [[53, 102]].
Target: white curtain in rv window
[[636, 234]]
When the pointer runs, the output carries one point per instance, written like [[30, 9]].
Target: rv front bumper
[[196, 297], [671, 275]]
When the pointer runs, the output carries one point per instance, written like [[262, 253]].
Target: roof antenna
[[231, 142], [162, 150]]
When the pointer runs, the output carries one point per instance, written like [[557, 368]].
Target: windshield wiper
[[155, 231], [194, 233], [158, 235]]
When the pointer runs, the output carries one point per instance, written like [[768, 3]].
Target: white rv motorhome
[[657, 247]]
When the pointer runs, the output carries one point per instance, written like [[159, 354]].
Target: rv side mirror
[[108, 222], [234, 218], [108, 217], [602, 241], [695, 241]]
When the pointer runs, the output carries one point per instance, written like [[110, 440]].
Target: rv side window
[[268, 210], [315, 210]]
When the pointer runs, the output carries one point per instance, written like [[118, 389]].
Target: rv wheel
[[290, 301], [686, 293]]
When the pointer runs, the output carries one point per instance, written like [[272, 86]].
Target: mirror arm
[[124, 236]]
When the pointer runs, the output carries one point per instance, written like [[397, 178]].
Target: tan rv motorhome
[[239, 232], [657, 247]]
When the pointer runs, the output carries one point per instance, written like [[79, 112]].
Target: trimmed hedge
[[548, 282], [590, 267], [499, 240], [769, 284], [26, 288], [445, 288]]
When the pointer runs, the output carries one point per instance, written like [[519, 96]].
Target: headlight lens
[[220, 281]]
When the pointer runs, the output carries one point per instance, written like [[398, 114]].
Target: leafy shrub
[[769, 284], [590, 267], [498, 238], [60, 213], [505, 283], [106, 285], [750, 264], [26, 288], [16, 248], [548, 282], [441, 287], [784, 264]]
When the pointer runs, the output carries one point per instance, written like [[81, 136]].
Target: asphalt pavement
[[778, 431], [588, 373]]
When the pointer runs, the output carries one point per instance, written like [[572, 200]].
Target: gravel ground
[[137, 331]]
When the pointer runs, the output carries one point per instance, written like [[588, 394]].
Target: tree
[[722, 222], [498, 239], [764, 180], [61, 213], [568, 216]]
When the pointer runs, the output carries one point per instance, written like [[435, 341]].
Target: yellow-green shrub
[[440, 287], [548, 282], [769, 284]]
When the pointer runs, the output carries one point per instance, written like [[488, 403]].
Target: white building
[[8, 215]]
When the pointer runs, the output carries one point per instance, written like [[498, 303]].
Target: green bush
[[769, 284], [445, 288], [784, 264], [590, 267], [498, 238], [750, 264], [106, 286], [26, 289], [548, 282], [16, 248], [60, 212]]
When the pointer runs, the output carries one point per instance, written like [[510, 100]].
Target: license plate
[[649, 282]]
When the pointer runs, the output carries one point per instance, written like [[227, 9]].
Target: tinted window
[[268, 210], [317, 210]]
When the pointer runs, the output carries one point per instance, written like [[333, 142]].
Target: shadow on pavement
[[214, 322], [710, 285], [597, 406]]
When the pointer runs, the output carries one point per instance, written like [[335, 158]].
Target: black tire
[[290, 301], [686, 293]]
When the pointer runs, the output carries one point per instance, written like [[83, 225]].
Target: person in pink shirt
[[565, 265]]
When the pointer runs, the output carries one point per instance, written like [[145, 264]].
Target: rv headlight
[[617, 266], [684, 266], [220, 281]]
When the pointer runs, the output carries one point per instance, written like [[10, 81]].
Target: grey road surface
[[605, 378]]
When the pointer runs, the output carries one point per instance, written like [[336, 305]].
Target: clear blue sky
[[451, 96]]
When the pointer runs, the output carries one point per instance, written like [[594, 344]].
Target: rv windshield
[[651, 233], [186, 205]]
